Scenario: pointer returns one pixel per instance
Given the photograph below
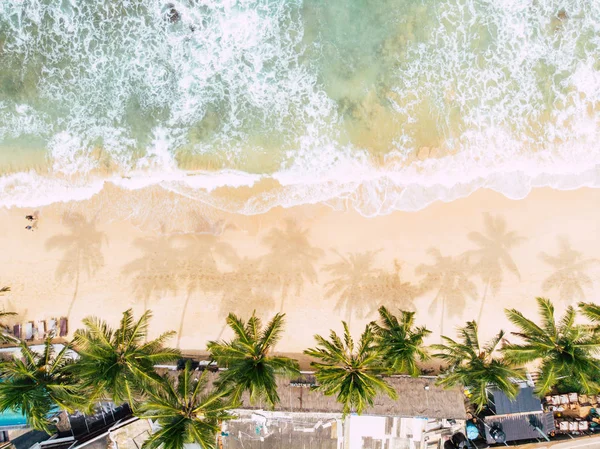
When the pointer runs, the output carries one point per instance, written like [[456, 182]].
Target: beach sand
[[317, 264]]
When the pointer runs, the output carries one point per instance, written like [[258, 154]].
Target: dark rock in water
[[172, 14]]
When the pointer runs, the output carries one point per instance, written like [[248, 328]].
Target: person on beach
[[29, 217]]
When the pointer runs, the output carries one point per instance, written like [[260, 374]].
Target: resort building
[[423, 417]]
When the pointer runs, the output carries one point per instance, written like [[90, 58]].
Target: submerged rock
[[171, 14]]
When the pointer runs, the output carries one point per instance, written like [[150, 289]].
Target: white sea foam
[[511, 88]]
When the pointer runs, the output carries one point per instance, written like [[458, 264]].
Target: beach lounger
[[64, 329], [51, 332], [40, 330], [17, 331], [29, 330]]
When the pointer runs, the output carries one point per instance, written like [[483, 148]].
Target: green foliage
[[400, 342], [119, 364], [350, 371], [475, 367], [185, 412], [591, 311], [565, 349], [35, 384], [4, 336], [250, 365]]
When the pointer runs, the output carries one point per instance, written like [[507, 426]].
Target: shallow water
[[379, 105]]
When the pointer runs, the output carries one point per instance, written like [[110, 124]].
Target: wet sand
[[317, 264]]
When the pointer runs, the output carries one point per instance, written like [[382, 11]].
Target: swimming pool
[[10, 420]]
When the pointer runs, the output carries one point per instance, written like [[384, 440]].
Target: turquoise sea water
[[390, 104]]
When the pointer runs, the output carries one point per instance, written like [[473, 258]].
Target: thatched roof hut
[[417, 397]]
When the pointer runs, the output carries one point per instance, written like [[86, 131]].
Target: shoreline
[[361, 183], [235, 263]]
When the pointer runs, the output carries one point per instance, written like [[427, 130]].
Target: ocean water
[[378, 105]]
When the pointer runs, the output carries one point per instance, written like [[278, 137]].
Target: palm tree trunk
[[74, 294], [487, 284], [185, 304]]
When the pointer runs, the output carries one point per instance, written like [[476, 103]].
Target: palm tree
[[570, 277], [291, 258], [450, 276], [37, 383], [119, 364], [5, 337], [565, 349], [400, 342], [185, 412], [250, 365], [352, 275], [493, 255], [591, 311], [350, 371], [477, 367], [83, 250]]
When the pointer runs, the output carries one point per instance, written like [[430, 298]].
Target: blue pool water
[[12, 419]]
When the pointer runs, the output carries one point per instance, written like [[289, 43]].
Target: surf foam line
[[369, 190]]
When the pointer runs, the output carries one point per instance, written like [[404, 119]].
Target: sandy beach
[[317, 264]]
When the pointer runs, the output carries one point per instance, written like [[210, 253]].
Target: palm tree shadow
[[492, 257], [200, 262], [352, 276], [362, 289], [570, 277], [173, 262], [449, 276], [390, 291], [291, 258], [247, 289], [156, 272], [82, 248]]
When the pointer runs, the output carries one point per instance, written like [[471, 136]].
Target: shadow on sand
[[361, 289], [570, 277], [291, 259], [449, 277], [82, 248], [492, 258]]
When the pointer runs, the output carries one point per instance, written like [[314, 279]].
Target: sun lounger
[[40, 329], [64, 329], [17, 331], [51, 332], [29, 330]]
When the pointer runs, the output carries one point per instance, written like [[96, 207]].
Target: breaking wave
[[374, 106]]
